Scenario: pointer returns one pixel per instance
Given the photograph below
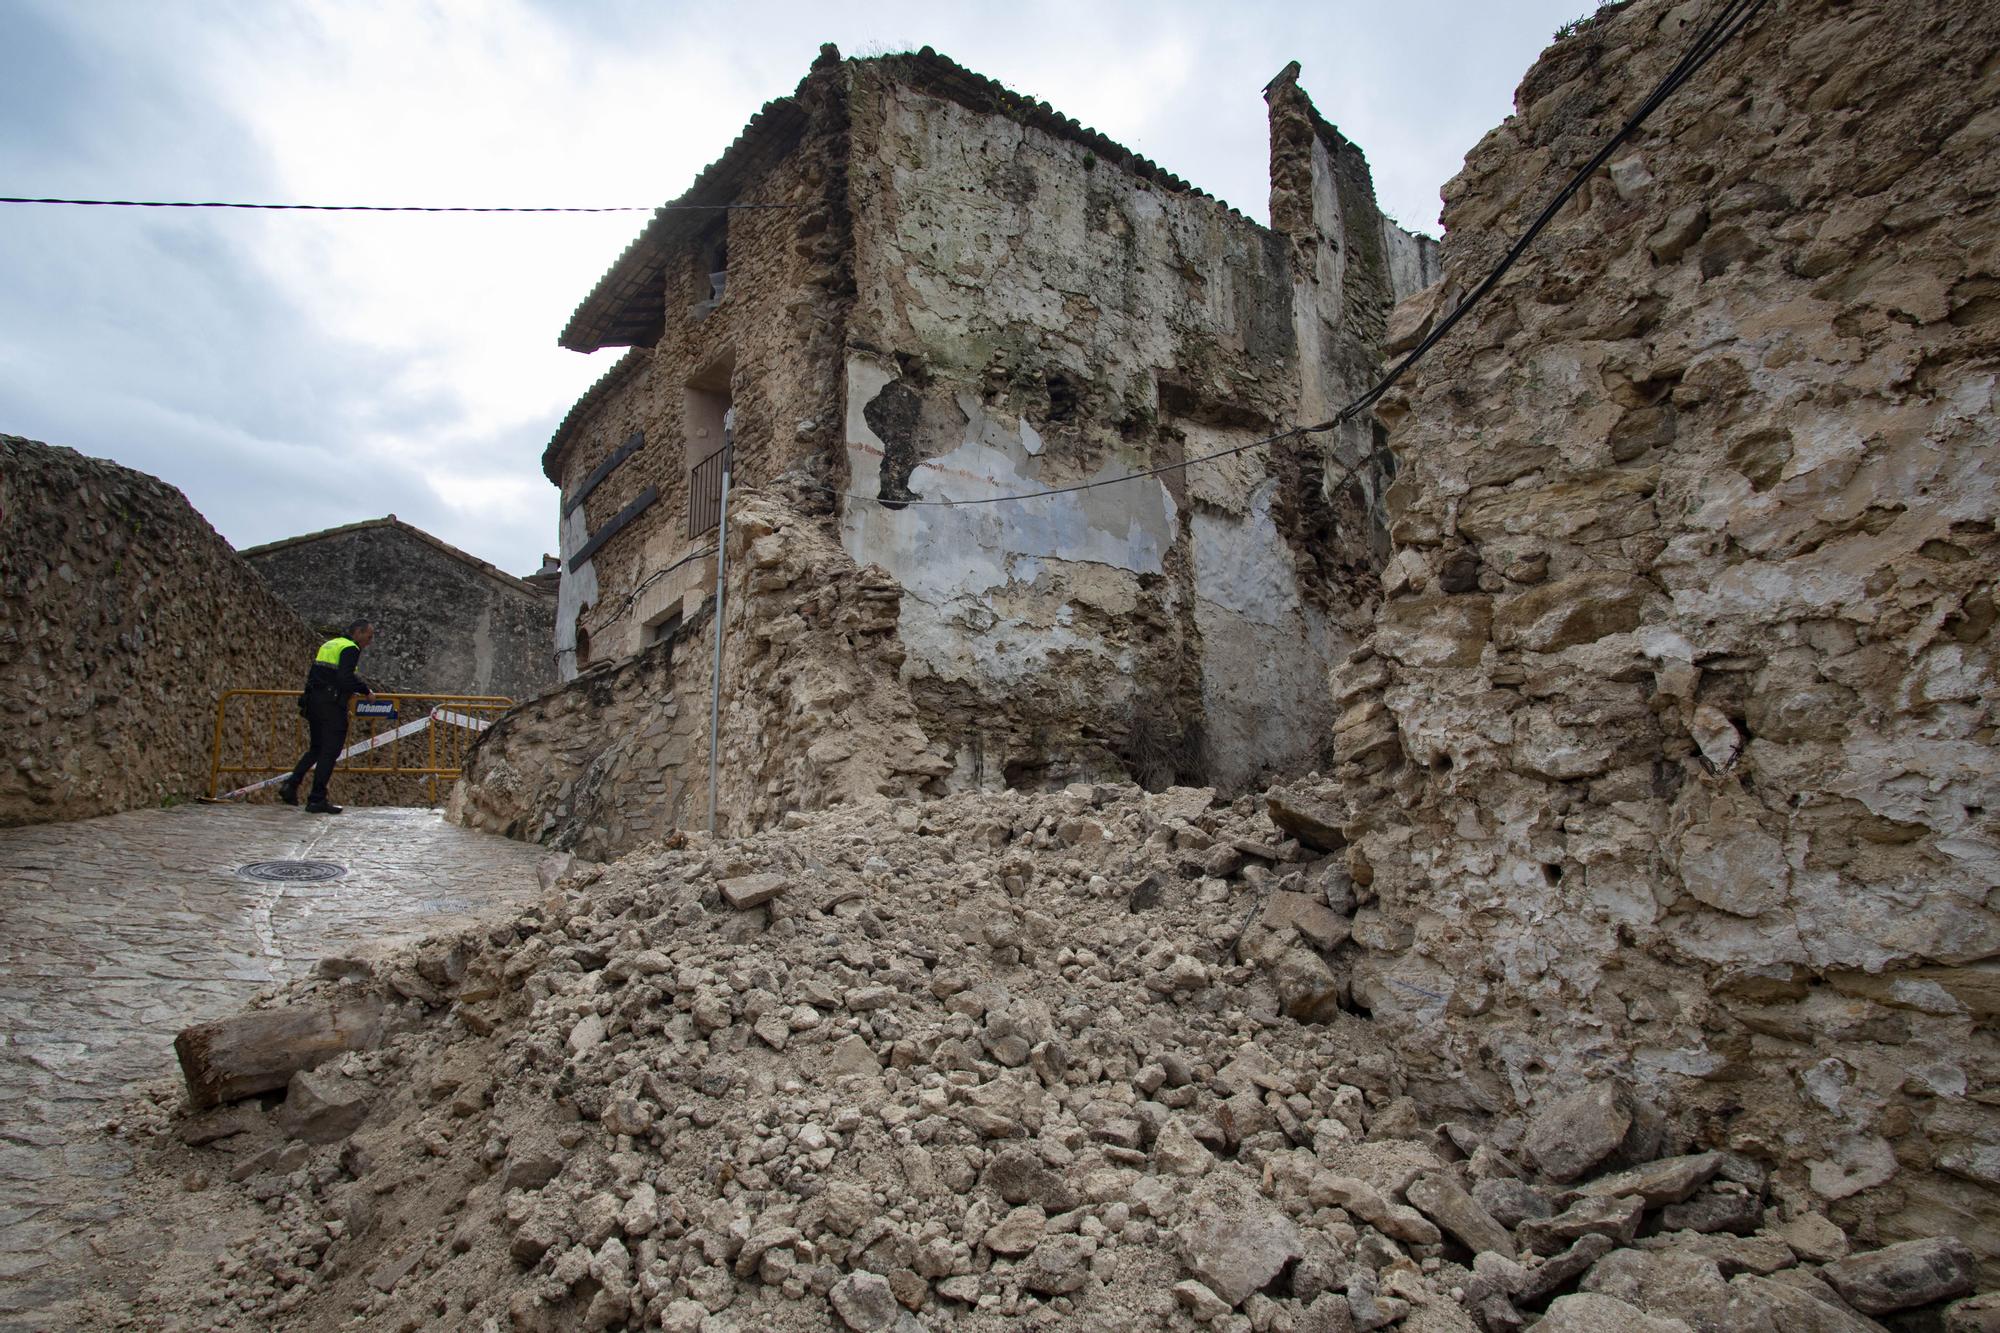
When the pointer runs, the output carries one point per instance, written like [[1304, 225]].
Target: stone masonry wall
[[1672, 752], [123, 615], [813, 714], [770, 344], [444, 623], [1031, 314]]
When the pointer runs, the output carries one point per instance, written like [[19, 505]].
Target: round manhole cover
[[292, 872]]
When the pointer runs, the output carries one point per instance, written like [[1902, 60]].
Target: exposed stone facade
[[972, 296], [813, 713], [123, 616], [445, 622], [1671, 754]]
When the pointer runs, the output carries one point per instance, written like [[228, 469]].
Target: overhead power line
[[1730, 19], [384, 208]]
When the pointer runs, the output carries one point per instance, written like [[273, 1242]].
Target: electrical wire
[[1729, 20], [632, 598], [379, 208]]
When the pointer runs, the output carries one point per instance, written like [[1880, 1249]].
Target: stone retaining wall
[[123, 615]]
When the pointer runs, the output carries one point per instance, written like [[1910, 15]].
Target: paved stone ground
[[118, 932]]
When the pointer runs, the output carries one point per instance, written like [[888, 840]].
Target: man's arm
[[349, 683]]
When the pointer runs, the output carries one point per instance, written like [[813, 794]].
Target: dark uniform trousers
[[326, 724]]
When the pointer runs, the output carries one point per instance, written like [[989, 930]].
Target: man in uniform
[[330, 683]]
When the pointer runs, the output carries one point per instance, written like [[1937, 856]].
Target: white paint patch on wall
[[1264, 653], [987, 587], [576, 590]]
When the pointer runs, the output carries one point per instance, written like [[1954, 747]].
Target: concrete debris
[[983, 1110]]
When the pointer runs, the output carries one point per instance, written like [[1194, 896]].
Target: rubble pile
[[1080, 1061]]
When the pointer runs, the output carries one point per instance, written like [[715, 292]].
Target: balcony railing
[[705, 493]]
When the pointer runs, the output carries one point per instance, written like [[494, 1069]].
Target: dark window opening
[[664, 628], [712, 270], [708, 415]]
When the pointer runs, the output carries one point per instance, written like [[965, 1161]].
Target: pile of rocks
[[1074, 1061]]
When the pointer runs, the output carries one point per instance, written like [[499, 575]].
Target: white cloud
[[294, 371]]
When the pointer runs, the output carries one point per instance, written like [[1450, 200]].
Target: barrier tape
[[465, 720]]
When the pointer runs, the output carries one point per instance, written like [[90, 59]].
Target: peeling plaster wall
[[1029, 317], [973, 304], [1672, 751]]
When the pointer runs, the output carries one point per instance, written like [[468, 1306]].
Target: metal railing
[[260, 734], [705, 493]]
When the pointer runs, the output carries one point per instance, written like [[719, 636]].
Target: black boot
[[288, 792], [322, 808]]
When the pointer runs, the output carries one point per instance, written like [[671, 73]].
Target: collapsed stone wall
[[123, 615], [813, 714], [1671, 753]]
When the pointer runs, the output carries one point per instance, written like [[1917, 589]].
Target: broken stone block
[[1760, 1303], [747, 891], [864, 1302], [1058, 1266], [1758, 1255], [1559, 1271], [1439, 1198], [1732, 1210], [322, 1107], [1577, 1132], [1593, 1313], [1020, 1176], [1366, 1202], [1616, 1218], [1898, 1277], [1669, 1180], [1318, 923], [1663, 1282], [1177, 1152], [1511, 1201], [1314, 822], [1199, 1301], [1980, 1314], [529, 1171], [1239, 1247], [1571, 611], [1018, 1232], [233, 1058]]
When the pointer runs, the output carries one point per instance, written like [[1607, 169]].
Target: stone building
[[446, 622], [948, 292], [123, 616]]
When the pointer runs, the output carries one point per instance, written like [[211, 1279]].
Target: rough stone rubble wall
[[1672, 751], [813, 713], [441, 625], [773, 341], [1028, 316], [972, 304], [123, 616]]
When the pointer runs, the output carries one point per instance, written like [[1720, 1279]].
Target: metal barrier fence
[[260, 734]]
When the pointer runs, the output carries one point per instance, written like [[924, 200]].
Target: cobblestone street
[[122, 930]]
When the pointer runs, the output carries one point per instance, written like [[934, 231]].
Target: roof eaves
[[627, 306], [607, 384]]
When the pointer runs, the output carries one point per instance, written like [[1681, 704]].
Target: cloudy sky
[[297, 371]]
